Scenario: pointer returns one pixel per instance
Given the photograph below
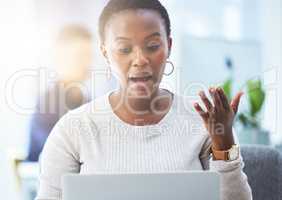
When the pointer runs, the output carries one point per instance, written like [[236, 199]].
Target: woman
[[141, 127]]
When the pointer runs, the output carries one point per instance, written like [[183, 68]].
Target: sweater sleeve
[[59, 157], [233, 181]]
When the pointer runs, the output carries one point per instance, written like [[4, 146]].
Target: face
[[136, 46]]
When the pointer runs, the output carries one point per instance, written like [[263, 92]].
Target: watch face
[[233, 153]]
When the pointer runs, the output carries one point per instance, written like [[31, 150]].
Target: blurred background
[[49, 51]]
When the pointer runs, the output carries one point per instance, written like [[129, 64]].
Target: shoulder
[[86, 115], [95, 107], [80, 125]]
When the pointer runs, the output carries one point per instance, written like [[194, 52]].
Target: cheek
[[161, 57], [159, 61], [119, 65]]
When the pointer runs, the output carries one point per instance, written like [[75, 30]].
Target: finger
[[216, 98], [235, 102], [201, 112], [206, 101], [224, 99]]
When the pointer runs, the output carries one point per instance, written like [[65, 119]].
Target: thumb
[[235, 102]]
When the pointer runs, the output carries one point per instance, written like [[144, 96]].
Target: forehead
[[134, 24]]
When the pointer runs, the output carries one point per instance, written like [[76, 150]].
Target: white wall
[[250, 20], [52, 15], [202, 18], [18, 51], [202, 27], [271, 20]]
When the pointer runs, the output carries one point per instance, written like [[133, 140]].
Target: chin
[[140, 93]]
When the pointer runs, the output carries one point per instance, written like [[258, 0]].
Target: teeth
[[140, 78]]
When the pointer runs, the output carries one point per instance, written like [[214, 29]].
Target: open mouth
[[140, 79]]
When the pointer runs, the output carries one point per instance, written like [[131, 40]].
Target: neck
[[138, 107]]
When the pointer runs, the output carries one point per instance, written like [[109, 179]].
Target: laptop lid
[[194, 185]]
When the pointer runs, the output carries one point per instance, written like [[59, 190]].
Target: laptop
[[190, 185]]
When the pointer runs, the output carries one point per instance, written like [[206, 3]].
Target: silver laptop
[[191, 185]]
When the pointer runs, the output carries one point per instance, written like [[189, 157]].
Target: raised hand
[[219, 116]]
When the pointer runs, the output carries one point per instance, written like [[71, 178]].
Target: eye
[[125, 50], [153, 47]]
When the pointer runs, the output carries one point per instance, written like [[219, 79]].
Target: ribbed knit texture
[[92, 139]]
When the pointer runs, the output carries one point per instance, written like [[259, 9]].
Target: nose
[[140, 59]]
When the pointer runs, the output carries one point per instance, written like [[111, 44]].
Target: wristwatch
[[228, 155]]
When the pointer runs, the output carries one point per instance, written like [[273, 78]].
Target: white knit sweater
[[93, 139]]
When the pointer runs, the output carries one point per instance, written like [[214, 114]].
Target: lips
[[143, 78], [140, 79]]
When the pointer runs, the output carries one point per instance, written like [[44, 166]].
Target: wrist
[[223, 143], [222, 146], [226, 155]]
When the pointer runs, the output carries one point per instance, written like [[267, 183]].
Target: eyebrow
[[156, 34], [153, 35]]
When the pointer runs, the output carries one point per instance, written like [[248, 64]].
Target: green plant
[[256, 98], [227, 87]]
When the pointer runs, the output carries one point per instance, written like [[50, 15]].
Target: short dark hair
[[115, 6]]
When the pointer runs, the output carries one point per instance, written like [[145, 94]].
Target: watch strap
[[222, 154]]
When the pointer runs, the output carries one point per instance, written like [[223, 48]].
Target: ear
[[169, 46], [104, 51]]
